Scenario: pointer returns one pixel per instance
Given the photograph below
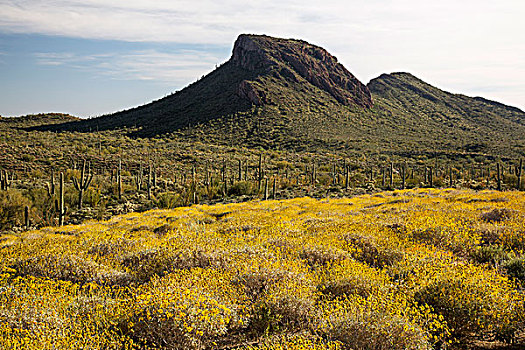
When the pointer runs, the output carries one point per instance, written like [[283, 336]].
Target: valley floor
[[412, 269]]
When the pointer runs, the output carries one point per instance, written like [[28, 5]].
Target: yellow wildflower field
[[414, 269]]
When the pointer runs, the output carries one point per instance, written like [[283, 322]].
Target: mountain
[[289, 94], [262, 71], [425, 113]]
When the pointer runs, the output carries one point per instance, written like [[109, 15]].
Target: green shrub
[[489, 254], [241, 188], [12, 204], [378, 331], [515, 268]]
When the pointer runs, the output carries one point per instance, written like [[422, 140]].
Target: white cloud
[[456, 42], [175, 69]]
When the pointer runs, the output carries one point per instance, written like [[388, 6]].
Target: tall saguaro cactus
[[119, 179], [403, 178], [518, 173], [82, 184], [498, 169], [51, 185], [61, 209], [391, 182], [4, 180]]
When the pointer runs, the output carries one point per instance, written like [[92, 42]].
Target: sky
[[93, 57]]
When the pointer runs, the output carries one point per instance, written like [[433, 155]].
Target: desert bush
[[182, 320], [490, 254], [297, 341], [515, 268], [145, 264], [279, 313], [497, 215], [367, 249], [256, 283], [168, 200], [12, 204], [70, 268], [186, 310], [240, 188], [318, 255], [490, 234], [92, 197], [378, 332], [113, 248], [362, 324], [351, 277], [468, 301]]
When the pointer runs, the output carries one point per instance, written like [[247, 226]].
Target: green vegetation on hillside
[[287, 94]]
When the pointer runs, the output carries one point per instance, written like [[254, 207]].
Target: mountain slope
[[262, 71], [288, 94], [474, 124]]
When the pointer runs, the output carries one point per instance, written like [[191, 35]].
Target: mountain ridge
[[287, 93]]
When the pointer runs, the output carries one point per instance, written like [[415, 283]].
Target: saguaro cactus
[[26, 217], [139, 179], [403, 178], [260, 173], [119, 178], [5, 182], [518, 173], [61, 209], [347, 176], [82, 184], [391, 183], [498, 169], [239, 175], [149, 181], [51, 185]]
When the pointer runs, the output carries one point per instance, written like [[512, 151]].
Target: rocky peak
[[297, 60]]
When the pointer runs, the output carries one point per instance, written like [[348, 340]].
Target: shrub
[[240, 188], [147, 263], [367, 329], [281, 312], [258, 282], [70, 268], [472, 300], [489, 254], [317, 255], [497, 215], [515, 268], [12, 204], [168, 200], [351, 277], [177, 319], [367, 250]]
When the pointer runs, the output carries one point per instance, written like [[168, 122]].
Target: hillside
[[406, 270], [262, 71], [423, 111], [288, 94]]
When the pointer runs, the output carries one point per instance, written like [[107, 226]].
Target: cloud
[[446, 40], [172, 68]]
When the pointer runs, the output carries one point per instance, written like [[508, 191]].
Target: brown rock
[[294, 59], [248, 91]]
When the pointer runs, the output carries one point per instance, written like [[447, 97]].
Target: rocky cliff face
[[297, 61]]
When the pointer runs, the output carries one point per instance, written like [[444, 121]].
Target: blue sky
[[91, 57]]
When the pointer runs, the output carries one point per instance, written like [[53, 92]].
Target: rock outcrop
[[295, 60], [249, 92]]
